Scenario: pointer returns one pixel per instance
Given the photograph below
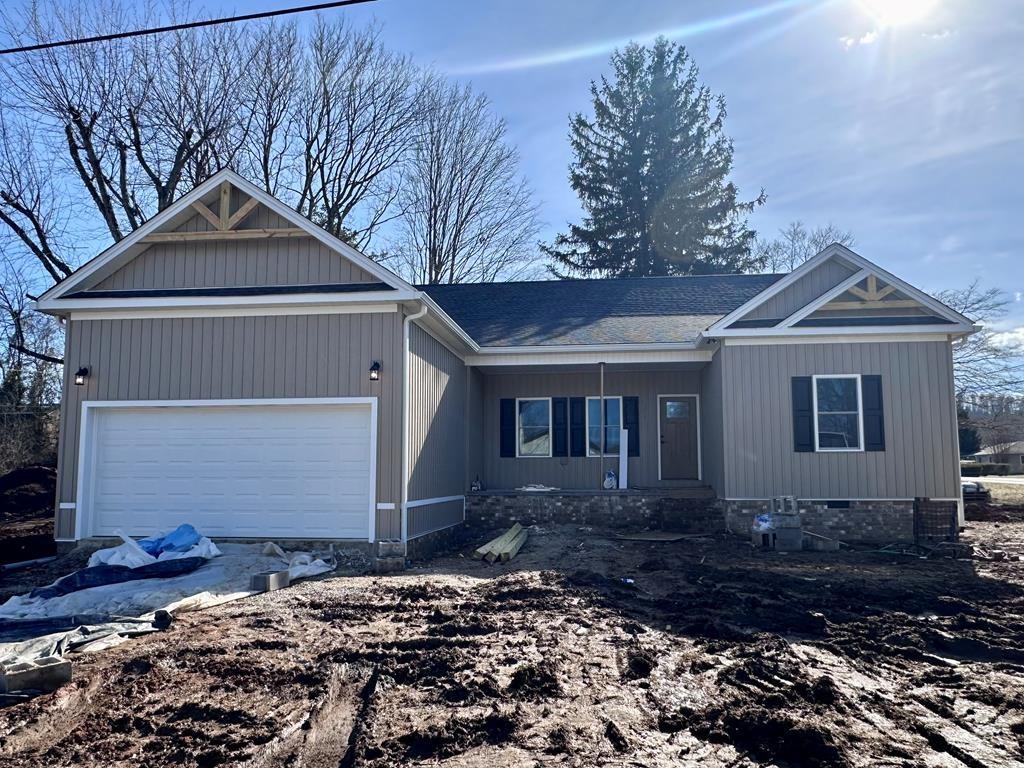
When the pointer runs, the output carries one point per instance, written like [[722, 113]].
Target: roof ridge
[[422, 286]]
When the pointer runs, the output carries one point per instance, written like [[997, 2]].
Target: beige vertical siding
[[803, 291], [230, 263], [921, 456], [240, 357], [578, 472], [711, 424], [437, 431], [474, 425]]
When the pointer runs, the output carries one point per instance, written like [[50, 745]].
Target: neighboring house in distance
[[232, 365], [1011, 454]]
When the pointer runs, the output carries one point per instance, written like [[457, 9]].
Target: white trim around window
[[860, 413], [604, 438], [519, 430]]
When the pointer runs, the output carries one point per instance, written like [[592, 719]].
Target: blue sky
[[910, 136]]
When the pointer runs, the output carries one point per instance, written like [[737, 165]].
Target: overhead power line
[[186, 25]]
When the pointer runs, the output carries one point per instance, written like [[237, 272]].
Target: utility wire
[[187, 25]]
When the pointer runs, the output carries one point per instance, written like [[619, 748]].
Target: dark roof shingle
[[611, 311]]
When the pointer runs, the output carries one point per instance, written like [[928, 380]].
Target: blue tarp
[[181, 539]]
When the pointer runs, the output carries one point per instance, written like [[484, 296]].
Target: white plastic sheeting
[[132, 555], [220, 580]]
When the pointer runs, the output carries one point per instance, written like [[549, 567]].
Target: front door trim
[[700, 448]]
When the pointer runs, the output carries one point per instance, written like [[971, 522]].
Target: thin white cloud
[[941, 34], [604, 47], [850, 41]]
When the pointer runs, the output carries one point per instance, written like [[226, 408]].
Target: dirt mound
[[535, 682]]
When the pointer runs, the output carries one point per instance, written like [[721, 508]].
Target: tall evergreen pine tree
[[651, 170]]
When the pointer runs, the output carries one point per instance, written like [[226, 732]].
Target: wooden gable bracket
[[872, 298], [224, 223]]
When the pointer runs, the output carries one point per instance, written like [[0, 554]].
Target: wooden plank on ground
[[514, 547], [659, 536], [495, 544]]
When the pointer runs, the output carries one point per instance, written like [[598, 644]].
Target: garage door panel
[[249, 471]]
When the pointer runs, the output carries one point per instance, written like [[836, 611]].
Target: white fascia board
[[58, 306], [861, 336], [776, 287], [184, 202], [273, 311], [454, 327], [915, 293], [611, 353], [825, 298], [842, 331]]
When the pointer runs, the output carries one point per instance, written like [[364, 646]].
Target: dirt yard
[[585, 650]]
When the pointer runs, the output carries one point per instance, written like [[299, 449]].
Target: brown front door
[[680, 449]]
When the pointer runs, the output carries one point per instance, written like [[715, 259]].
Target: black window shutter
[[508, 427], [874, 421], [803, 415], [577, 426], [631, 421], [559, 426]]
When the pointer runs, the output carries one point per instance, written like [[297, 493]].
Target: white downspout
[[407, 378]]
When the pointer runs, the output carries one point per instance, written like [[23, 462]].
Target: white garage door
[[252, 471]]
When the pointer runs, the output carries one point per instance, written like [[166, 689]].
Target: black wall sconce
[[81, 375], [375, 371]]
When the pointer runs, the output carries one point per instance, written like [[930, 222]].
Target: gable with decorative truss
[[839, 290], [226, 237]]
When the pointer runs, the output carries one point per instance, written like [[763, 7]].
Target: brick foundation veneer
[[618, 510], [877, 522], [437, 542]]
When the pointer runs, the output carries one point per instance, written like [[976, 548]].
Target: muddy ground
[[710, 654]]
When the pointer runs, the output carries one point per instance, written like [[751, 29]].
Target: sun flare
[[895, 13]]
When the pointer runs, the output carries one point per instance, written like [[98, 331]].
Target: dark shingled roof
[[612, 311]]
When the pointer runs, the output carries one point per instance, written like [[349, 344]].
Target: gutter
[[407, 378]]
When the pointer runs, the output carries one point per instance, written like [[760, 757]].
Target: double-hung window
[[533, 425], [612, 425], [838, 413]]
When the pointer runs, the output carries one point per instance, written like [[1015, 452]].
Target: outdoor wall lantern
[[375, 371], [81, 375]]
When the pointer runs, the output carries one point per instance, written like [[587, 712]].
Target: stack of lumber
[[504, 547]]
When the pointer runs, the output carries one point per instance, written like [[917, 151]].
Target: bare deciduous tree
[[795, 244], [358, 115], [984, 363], [469, 217]]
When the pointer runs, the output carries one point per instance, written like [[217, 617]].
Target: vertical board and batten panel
[[711, 405], [437, 432], [474, 425], [233, 263], [802, 292], [217, 358], [921, 456], [287, 261], [583, 472]]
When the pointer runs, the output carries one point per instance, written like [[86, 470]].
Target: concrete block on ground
[[388, 564], [390, 548], [268, 581], [789, 539], [46, 674], [820, 543]]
